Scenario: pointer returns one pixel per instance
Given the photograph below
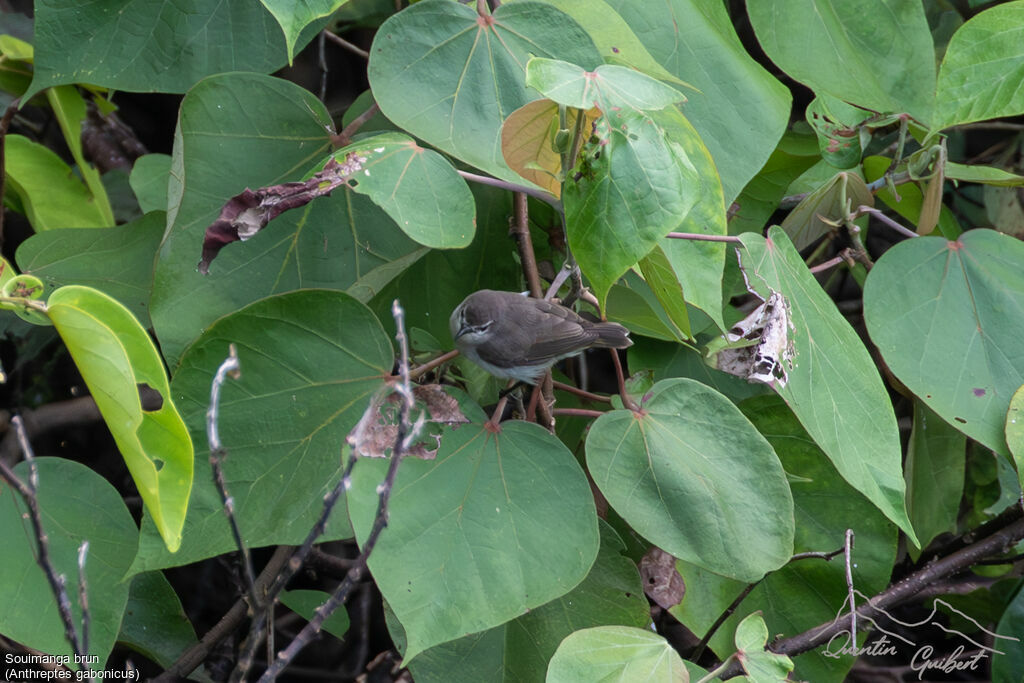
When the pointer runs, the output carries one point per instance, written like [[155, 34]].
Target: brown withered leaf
[[662, 583], [375, 435], [247, 213]]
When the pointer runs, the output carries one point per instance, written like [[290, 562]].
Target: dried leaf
[[662, 583]]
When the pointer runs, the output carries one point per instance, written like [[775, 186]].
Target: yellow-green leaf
[[116, 356]]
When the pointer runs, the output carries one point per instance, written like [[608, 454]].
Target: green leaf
[[614, 38], [633, 187], [698, 264], [295, 17], [70, 111], [666, 287], [616, 653], [632, 303], [934, 471], [986, 175], [834, 387], [805, 593], [981, 70], [910, 200], [497, 525], [149, 46], [117, 261], [695, 40], [310, 360], [76, 505], [51, 195], [876, 54], [154, 623], [761, 665], [467, 71], [306, 602], [1008, 668], [806, 223], [1015, 428], [948, 318], [417, 187], [148, 179], [606, 86], [247, 130], [115, 355], [715, 497], [760, 198], [611, 594]]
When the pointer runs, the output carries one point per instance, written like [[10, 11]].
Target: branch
[[351, 47], [701, 237], [512, 187], [230, 366], [29, 493], [902, 591], [406, 433], [345, 136], [191, 658]]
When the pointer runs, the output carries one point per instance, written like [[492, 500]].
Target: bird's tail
[[611, 336]]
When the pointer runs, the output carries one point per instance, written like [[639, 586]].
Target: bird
[[513, 336]]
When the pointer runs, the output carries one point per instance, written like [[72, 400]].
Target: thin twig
[[885, 220], [421, 370], [230, 366], [852, 592], [577, 412], [83, 593], [512, 187], [191, 658], [825, 265], [733, 606], [626, 399], [345, 136], [406, 433], [29, 493], [351, 47], [904, 590], [520, 229], [819, 555], [701, 237], [561, 386]]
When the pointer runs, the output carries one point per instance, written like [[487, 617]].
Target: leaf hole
[[150, 398], [158, 464]]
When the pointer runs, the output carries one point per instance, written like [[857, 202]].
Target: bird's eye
[[483, 328]]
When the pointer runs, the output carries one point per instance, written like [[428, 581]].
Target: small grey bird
[[514, 336]]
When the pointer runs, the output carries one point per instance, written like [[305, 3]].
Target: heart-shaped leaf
[[611, 594], [821, 43], [631, 188], [932, 305], [467, 71], [834, 387], [715, 496], [247, 130], [616, 653], [496, 525], [310, 360]]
